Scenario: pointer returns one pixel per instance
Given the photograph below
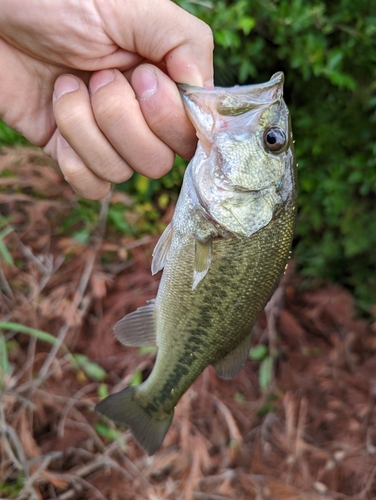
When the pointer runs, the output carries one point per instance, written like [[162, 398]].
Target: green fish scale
[[220, 312]]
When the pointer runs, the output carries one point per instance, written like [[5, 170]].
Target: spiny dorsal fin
[[233, 363], [137, 329], [203, 258], [161, 250]]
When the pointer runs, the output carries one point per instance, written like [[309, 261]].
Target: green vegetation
[[327, 50], [9, 136], [261, 354]]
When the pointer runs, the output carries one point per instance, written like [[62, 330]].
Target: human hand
[[101, 124]]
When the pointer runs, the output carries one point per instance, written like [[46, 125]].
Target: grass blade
[[39, 334]]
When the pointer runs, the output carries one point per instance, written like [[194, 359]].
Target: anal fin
[[137, 329], [231, 365]]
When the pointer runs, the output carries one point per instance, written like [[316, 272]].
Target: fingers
[[77, 174], [76, 123], [118, 114], [116, 130], [159, 30]]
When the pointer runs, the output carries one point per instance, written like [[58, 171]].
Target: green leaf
[[147, 350], [11, 488], [4, 363], [239, 398], [265, 373], [39, 334], [106, 432], [335, 57], [246, 24], [227, 38], [258, 353], [136, 379], [5, 231], [82, 236], [9, 136], [90, 368], [102, 391], [4, 254]]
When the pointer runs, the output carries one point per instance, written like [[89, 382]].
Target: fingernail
[[65, 84], [101, 79], [144, 82]]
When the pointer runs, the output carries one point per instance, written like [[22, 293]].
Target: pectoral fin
[[203, 258], [161, 250], [230, 366], [137, 329]]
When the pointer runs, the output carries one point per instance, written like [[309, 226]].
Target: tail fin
[[123, 407]]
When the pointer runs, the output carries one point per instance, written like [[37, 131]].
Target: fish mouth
[[236, 100]]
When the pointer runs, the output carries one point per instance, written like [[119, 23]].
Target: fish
[[222, 255]]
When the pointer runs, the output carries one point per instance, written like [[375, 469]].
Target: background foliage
[[327, 50]]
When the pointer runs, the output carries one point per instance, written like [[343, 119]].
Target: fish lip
[[276, 78], [231, 101]]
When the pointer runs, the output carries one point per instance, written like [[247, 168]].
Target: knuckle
[[161, 119], [70, 117], [109, 110]]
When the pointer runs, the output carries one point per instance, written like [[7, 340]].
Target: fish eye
[[274, 139]]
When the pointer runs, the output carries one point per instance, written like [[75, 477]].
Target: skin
[[59, 88]]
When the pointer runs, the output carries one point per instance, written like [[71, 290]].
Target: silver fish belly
[[222, 255]]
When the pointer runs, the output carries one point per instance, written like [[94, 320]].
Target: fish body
[[222, 255]]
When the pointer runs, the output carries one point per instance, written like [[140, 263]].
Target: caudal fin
[[123, 407]]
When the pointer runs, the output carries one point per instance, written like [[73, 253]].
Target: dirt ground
[[309, 435]]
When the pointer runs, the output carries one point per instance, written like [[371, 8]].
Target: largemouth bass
[[222, 255]]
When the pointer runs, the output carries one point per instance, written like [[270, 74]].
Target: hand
[[101, 123]]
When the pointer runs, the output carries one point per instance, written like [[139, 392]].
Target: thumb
[[160, 31]]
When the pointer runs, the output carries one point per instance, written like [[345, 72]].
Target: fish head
[[244, 169]]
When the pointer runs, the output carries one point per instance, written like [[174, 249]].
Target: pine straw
[[311, 435]]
